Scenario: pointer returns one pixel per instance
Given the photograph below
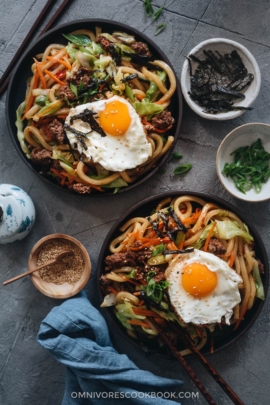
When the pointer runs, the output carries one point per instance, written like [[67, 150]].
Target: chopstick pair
[[186, 340], [7, 74]]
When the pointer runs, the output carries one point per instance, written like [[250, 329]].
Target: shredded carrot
[[138, 322], [61, 61], [160, 321], [199, 332], [78, 180], [161, 131], [129, 280], [212, 346], [137, 293], [42, 78], [140, 96], [57, 173], [181, 246], [63, 117], [101, 87], [32, 98], [146, 312], [154, 241], [52, 76], [210, 233], [193, 218], [113, 290], [232, 259], [243, 311], [172, 246]]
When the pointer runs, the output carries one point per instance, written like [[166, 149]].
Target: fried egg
[[123, 145], [202, 288]]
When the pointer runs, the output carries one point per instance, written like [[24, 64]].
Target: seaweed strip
[[88, 116], [155, 227], [179, 223], [166, 224], [78, 135], [130, 77]]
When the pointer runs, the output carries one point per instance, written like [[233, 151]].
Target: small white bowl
[[222, 45], [244, 135]]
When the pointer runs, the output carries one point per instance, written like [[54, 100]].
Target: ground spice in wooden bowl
[[71, 268], [60, 280]]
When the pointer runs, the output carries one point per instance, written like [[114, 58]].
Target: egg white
[[211, 308], [116, 153]]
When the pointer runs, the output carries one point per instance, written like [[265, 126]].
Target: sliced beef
[[140, 48], [56, 131], [160, 276], [82, 76], [55, 164], [143, 255], [117, 260], [65, 93], [80, 188], [216, 247], [162, 120], [104, 42], [41, 156]]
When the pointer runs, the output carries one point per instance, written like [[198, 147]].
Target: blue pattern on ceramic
[[27, 223], [18, 213], [9, 210]]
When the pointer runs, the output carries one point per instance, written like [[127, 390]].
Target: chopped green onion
[[148, 7], [157, 13], [160, 28], [177, 155], [158, 249], [182, 168], [250, 168]]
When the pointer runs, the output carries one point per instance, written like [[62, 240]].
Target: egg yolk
[[198, 280], [115, 119]]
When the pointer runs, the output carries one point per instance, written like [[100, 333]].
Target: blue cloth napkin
[[76, 334]]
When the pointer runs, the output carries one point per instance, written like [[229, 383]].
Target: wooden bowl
[[65, 289]]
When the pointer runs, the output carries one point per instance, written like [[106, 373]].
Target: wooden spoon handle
[[28, 272]]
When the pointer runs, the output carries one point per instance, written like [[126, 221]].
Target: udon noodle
[[134, 281], [93, 66]]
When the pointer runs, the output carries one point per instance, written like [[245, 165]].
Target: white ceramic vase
[[17, 213]]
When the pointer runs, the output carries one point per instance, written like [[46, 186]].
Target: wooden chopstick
[[7, 74], [186, 340]]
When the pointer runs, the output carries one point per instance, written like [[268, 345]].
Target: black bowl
[[17, 88], [143, 209]]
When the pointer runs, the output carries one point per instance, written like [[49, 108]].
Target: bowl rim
[[11, 112], [110, 317], [185, 72], [221, 146], [87, 267]]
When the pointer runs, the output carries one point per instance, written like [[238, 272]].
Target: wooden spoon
[[57, 259]]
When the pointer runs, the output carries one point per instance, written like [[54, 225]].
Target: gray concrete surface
[[28, 374]]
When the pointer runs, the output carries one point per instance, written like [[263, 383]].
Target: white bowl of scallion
[[243, 162]]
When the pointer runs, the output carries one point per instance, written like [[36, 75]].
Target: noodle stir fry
[[189, 263], [95, 115]]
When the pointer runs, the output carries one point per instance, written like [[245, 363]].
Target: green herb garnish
[[250, 168], [182, 168], [177, 155], [148, 7], [160, 28], [157, 13], [158, 249], [153, 289]]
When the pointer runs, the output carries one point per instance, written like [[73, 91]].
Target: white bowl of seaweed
[[243, 162], [220, 79]]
